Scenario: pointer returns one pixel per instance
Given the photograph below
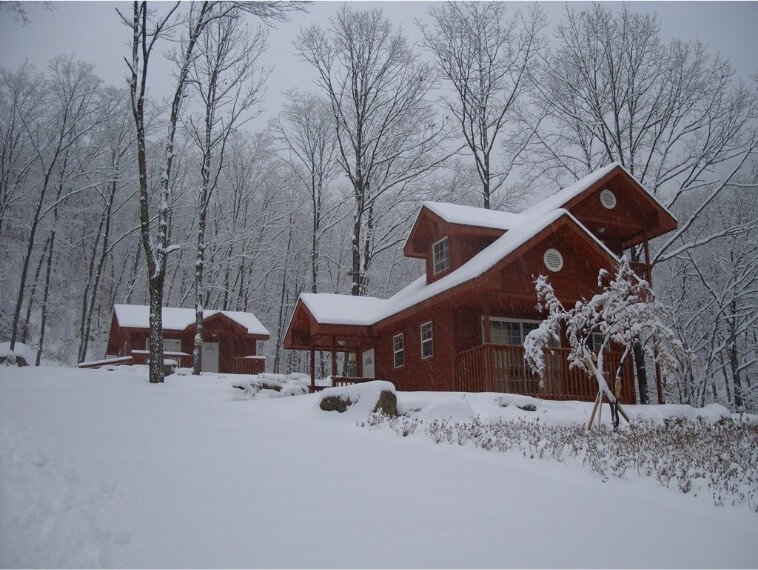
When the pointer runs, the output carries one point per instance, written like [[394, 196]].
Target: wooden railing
[[643, 270], [498, 368], [249, 364], [349, 380]]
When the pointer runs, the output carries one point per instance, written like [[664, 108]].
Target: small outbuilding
[[229, 338]]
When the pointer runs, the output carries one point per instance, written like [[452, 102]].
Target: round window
[[608, 199], [553, 259]]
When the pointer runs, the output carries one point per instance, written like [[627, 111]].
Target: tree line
[[111, 195]]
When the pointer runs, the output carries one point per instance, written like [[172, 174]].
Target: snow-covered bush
[[696, 456]]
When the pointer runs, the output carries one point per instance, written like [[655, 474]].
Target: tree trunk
[[639, 364], [45, 299], [30, 302]]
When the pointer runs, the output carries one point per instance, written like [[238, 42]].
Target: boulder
[[387, 403], [335, 403], [361, 398]]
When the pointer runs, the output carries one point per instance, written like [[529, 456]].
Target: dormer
[[447, 235]]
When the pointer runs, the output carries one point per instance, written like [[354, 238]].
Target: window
[[169, 344], [427, 348], [511, 331], [595, 341], [441, 255], [398, 348]]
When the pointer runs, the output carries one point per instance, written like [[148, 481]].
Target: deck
[[501, 368]]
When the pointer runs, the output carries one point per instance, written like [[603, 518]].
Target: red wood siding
[[433, 373]]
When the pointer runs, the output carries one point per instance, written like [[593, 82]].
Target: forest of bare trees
[[110, 195]]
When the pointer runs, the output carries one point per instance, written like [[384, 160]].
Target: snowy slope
[[101, 469]]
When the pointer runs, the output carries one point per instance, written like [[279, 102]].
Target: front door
[[210, 357], [368, 363]]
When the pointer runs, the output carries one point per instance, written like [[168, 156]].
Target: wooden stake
[[594, 410]]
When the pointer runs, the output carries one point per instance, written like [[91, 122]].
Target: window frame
[[521, 322], [592, 342], [165, 349], [396, 351], [445, 240], [429, 341]]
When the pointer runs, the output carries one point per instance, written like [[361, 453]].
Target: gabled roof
[[366, 311], [561, 198], [178, 319]]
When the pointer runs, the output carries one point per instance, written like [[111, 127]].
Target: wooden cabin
[[461, 325], [229, 338]]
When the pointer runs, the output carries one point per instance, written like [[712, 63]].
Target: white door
[[368, 363], [210, 357]]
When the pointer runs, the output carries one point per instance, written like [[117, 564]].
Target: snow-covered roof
[[366, 311], [174, 318], [330, 308], [562, 197], [470, 216]]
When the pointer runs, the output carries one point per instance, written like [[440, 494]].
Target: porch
[[502, 368]]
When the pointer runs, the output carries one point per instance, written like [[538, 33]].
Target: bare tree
[[487, 53], [21, 94], [229, 81], [714, 292], [306, 129], [147, 29], [71, 113], [385, 126]]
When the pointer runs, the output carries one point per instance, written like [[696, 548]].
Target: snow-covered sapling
[[625, 309]]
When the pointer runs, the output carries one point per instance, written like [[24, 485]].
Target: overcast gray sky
[[92, 31]]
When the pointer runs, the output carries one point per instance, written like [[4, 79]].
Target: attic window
[[441, 255], [608, 199], [553, 259]]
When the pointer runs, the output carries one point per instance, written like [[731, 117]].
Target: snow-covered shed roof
[[366, 311], [174, 318]]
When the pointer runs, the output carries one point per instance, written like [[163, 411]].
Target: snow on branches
[[626, 309]]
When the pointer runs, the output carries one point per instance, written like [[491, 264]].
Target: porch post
[[358, 363], [646, 247], [334, 361], [313, 370]]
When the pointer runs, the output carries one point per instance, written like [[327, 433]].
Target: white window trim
[[434, 264], [599, 336], [430, 340], [177, 340], [396, 351], [511, 320]]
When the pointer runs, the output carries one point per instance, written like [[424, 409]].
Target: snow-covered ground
[[99, 468]]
